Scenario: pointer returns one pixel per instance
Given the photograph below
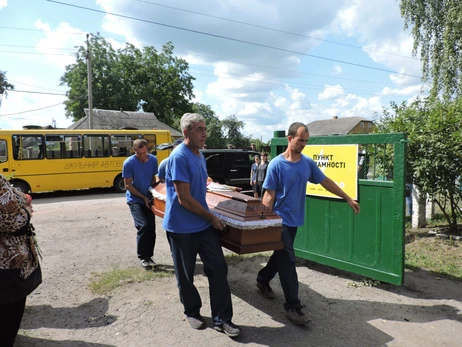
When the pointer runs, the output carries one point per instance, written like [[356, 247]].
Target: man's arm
[[330, 185], [268, 198], [188, 202], [129, 186]]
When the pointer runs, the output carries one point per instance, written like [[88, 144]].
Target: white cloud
[[331, 92], [60, 38], [198, 95], [370, 20], [38, 104], [407, 91], [337, 70], [3, 3]]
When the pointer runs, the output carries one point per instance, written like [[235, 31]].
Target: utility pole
[[89, 78]]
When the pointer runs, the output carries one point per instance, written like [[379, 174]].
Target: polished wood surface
[[241, 208]]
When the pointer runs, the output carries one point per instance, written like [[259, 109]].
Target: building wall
[[367, 128]]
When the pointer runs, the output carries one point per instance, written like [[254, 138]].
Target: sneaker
[[229, 328], [297, 316], [266, 291], [151, 262], [196, 322], [145, 264]]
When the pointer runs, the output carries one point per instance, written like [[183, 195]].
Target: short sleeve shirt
[[288, 180], [185, 166], [141, 174], [162, 168]]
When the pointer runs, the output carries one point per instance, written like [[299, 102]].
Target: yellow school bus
[[43, 160]]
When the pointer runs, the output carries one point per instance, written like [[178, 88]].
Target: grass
[[233, 258], [440, 256], [106, 282]]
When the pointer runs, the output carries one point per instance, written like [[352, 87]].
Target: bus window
[[122, 145], [53, 146], [95, 146], [151, 138], [27, 147], [3, 151], [73, 146]]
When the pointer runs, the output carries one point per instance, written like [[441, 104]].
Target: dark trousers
[[10, 320], [260, 187], [283, 263], [185, 248], [146, 226]]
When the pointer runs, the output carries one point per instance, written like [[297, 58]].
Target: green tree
[[4, 86], [259, 144], [233, 130], [434, 156], [215, 138], [437, 29], [130, 79]]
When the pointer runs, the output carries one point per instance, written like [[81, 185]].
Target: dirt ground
[[81, 233]]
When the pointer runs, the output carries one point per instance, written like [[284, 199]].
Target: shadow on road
[[88, 315], [335, 322], [26, 341]]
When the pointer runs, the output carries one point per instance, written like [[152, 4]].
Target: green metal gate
[[370, 243]]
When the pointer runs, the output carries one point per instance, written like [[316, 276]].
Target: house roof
[[111, 120], [338, 126]]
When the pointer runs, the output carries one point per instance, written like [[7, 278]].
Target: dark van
[[229, 166]]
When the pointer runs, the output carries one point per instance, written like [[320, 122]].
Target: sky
[[270, 63]]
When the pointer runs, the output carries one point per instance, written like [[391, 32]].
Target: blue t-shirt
[[289, 181], [162, 168], [185, 166], [141, 173]]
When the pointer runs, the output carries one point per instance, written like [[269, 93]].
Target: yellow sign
[[339, 163]]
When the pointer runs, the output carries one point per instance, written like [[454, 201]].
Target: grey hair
[[189, 119]]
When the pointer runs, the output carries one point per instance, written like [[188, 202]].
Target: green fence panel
[[370, 243]]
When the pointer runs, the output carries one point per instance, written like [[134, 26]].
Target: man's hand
[[354, 205], [146, 202], [217, 223]]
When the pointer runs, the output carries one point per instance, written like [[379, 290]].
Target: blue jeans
[[185, 248], [283, 262], [146, 226]]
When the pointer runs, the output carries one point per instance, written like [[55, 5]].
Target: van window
[[241, 158], [215, 159]]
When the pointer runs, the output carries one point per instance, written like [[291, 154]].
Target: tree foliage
[[130, 79], [215, 138], [4, 86], [260, 145], [437, 31], [233, 132], [434, 156]]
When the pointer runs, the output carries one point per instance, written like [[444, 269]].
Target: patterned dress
[[16, 251]]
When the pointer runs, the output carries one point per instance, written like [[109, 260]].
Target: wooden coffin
[[250, 227], [158, 206]]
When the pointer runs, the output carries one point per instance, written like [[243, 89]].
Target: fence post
[[419, 200]]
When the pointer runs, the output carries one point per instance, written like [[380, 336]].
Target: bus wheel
[[119, 184], [21, 186]]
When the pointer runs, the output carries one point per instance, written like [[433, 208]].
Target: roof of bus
[[120, 119]]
